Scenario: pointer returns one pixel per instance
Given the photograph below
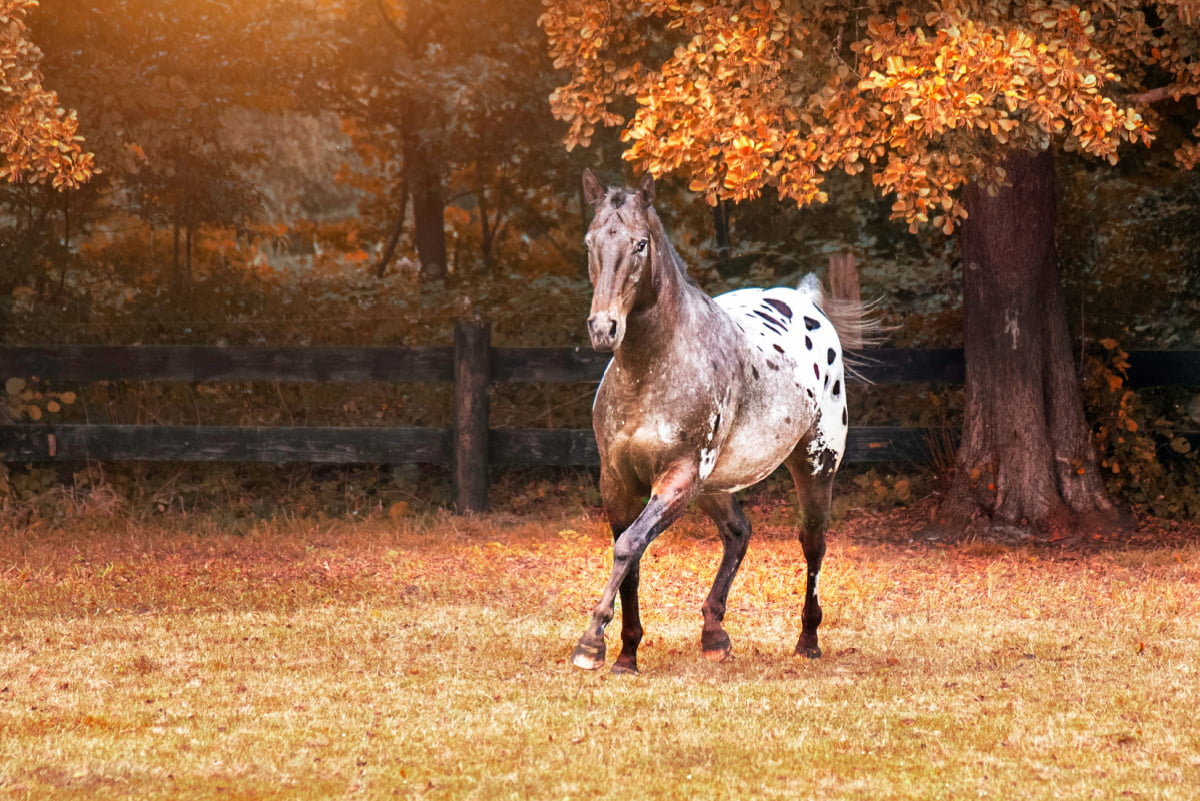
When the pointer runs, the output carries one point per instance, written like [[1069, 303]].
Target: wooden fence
[[469, 447]]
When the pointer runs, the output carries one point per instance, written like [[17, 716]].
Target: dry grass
[[427, 659]]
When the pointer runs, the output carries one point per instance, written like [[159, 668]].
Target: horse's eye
[[641, 246]]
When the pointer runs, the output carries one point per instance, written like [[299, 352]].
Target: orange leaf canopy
[[926, 96]]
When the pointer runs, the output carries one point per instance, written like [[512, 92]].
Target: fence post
[[472, 374]]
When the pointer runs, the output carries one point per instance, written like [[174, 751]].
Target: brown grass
[[426, 658]]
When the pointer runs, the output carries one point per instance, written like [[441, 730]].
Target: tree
[[39, 141], [445, 101], [956, 107], [40, 146], [159, 84]]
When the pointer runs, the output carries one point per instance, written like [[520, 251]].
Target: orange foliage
[[39, 141], [927, 95]]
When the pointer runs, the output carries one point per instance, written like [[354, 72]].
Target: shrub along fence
[[469, 447]]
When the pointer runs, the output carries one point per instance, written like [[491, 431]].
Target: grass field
[[427, 658]]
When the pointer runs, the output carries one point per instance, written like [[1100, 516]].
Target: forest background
[[320, 173]]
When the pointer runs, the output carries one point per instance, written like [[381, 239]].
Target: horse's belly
[[736, 472], [759, 442]]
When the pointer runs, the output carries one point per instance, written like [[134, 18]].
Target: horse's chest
[[654, 432], [644, 431]]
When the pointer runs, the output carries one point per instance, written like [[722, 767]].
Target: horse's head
[[619, 252]]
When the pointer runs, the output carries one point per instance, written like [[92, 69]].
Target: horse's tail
[[856, 322]]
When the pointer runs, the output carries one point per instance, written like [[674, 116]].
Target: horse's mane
[[662, 244]]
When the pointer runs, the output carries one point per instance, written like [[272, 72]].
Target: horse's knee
[[629, 548]]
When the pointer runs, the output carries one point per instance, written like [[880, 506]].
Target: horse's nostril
[[602, 326]]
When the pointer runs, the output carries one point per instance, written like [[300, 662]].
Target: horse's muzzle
[[604, 331]]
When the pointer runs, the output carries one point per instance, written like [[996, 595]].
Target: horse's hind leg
[[814, 491], [734, 529]]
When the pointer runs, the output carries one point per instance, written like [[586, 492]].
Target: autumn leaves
[[39, 140], [927, 97]]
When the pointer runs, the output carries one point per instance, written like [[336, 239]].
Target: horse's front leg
[[669, 498], [623, 505]]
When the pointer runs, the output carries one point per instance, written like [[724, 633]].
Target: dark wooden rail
[[469, 447]]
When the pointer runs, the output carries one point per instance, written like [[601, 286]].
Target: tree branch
[[1161, 93], [391, 23], [410, 35]]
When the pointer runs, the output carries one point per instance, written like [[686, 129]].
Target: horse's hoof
[[620, 668], [718, 655], [588, 657], [808, 652], [716, 648]]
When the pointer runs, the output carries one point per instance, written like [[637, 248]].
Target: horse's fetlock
[[713, 611]]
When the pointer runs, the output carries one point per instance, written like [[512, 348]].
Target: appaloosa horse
[[703, 397]]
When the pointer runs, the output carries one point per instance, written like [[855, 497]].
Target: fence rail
[[468, 447]]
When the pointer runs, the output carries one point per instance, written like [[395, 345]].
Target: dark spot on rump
[[781, 307], [832, 355], [754, 372], [777, 347], [837, 388], [771, 322], [772, 365], [817, 371], [808, 342], [827, 381], [787, 420], [845, 417], [811, 324], [810, 392], [717, 423]]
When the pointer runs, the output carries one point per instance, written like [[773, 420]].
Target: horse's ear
[[646, 189], [593, 190]]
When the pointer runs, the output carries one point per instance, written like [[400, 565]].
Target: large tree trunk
[[1027, 463]]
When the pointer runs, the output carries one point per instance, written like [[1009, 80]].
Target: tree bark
[[423, 169], [1027, 463], [491, 224], [176, 253], [389, 250], [721, 235], [429, 216]]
